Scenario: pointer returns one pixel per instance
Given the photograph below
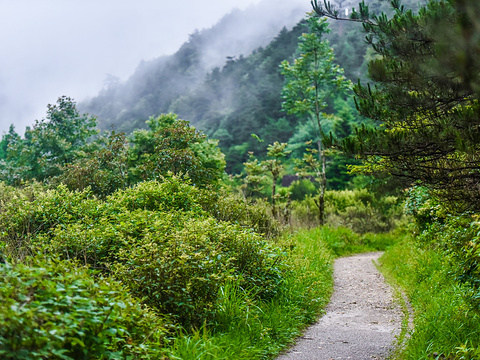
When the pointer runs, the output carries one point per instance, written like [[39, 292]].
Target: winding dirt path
[[361, 320]]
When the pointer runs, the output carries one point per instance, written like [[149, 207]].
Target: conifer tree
[[426, 96], [310, 81]]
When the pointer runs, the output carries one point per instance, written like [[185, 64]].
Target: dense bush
[[33, 210], [51, 309], [255, 214], [362, 211], [168, 240], [180, 272], [358, 210], [457, 237]]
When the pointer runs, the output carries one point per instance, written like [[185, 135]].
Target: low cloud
[[52, 48]]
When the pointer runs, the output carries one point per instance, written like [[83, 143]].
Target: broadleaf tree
[[58, 139], [173, 146], [310, 81]]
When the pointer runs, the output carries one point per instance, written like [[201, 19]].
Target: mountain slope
[[158, 82]]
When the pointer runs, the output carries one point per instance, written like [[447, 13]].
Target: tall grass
[[447, 326], [248, 329]]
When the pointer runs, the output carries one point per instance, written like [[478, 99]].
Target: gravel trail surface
[[361, 320]]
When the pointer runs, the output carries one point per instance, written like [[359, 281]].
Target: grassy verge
[[251, 330], [248, 329], [446, 324]]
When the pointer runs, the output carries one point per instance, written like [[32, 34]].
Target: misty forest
[[194, 210]]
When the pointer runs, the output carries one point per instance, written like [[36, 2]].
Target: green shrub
[[359, 210], [457, 237], [174, 261], [175, 194], [37, 211], [169, 194], [301, 189], [180, 272], [304, 214], [56, 310], [173, 243], [235, 209], [362, 211]]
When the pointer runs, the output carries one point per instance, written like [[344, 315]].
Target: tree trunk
[[323, 186], [274, 191]]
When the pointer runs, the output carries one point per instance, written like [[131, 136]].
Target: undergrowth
[[246, 329], [206, 267], [446, 322]]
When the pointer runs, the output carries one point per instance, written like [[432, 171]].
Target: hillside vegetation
[[205, 224]]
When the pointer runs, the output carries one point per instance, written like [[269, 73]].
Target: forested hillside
[[157, 83], [229, 86]]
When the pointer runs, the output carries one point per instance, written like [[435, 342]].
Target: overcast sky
[[51, 48]]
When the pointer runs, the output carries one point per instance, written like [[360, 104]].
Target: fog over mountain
[[158, 84], [55, 47]]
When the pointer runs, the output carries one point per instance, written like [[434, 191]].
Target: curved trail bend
[[361, 320]]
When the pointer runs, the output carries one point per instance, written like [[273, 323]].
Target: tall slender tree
[[310, 81]]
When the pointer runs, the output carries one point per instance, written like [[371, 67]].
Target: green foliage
[[189, 254], [103, 170], [226, 206], [309, 82], [440, 273], [53, 142], [446, 322], [32, 210], [192, 262], [111, 162], [457, 236], [161, 238], [363, 211], [274, 168], [313, 77], [426, 97], [302, 188], [359, 210], [173, 146], [8, 140], [54, 309], [340, 125], [254, 180], [167, 194]]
